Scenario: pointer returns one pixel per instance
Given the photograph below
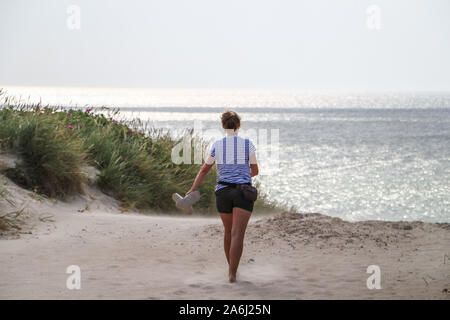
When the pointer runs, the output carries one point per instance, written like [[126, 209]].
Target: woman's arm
[[200, 176], [253, 165], [253, 170]]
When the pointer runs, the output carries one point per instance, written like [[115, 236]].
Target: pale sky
[[251, 44]]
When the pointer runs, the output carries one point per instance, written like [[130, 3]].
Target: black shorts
[[228, 198]]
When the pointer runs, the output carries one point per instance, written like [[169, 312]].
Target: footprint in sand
[[246, 283], [296, 293], [179, 292], [164, 261]]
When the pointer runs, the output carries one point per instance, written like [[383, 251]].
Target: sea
[[353, 155]]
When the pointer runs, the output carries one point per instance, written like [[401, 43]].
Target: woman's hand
[[190, 191]]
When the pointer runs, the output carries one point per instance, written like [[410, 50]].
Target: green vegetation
[[51, 157], [8, 220], [134, 161], [3, 198]]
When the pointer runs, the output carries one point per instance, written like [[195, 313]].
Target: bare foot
[[232, 278]]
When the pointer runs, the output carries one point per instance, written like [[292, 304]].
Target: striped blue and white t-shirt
[[232, 155]]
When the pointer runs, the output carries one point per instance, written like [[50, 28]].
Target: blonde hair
[[230, 120]]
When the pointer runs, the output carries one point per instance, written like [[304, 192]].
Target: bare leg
[[239, 225], [227, 219]]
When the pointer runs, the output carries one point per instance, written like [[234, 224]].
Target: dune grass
[[51, 157], [3, 199], [134, 160], [8, 220]]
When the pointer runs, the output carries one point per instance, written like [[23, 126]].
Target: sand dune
[[288, 256]]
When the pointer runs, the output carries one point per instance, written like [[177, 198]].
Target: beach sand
[[287, 256]]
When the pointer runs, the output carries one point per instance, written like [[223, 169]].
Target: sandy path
[[129, 256]]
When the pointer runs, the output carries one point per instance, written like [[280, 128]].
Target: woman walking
[[236, 163]]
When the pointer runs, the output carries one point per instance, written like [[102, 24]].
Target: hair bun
[[230, 120]]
